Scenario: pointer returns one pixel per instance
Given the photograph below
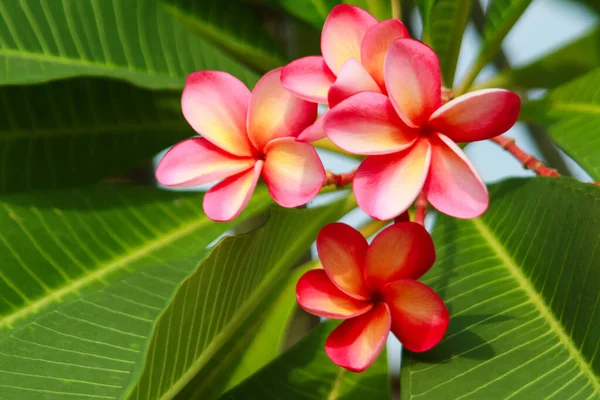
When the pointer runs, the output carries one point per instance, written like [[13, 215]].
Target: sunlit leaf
[[571, 114], [522, 284]]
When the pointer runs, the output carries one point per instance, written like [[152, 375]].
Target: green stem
[[396, 9]]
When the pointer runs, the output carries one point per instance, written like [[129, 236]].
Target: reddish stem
[[526, 159], [339, 180], [421, 208], [404, 217]]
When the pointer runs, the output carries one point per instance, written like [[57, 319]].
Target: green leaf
[[571, 114], [522, 285], [79, 131], [567, 63], [85, 273], [201, 336], [380, 9], [232, 27], [138, 41], [269, 340], [304, 373], [312, 11], [500, 17], [425, 8], [448, 22]]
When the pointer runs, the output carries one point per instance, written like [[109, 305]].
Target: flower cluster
[[386, 102]]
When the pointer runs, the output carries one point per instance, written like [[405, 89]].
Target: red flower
[[410, 137], [374, 288]]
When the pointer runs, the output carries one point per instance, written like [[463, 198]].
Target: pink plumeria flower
[[374, 288], [353, 45], [244, 136], [410, 137]]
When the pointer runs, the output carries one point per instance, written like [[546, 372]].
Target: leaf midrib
[[537, 300], [75, 285], [583, 107], [81, 62]]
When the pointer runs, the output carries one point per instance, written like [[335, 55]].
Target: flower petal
[[343, 33], [366, 123], [352, 79], [275, 112], [314, 132], [196, 161], [293, 172], [453, 185], [342, 251], [318, 295], [385, 186], [226, 200], [419, 316], [215, 104], [413, 80], [308, 78], [357, 342], [478, 115], [375, 45], [400, 251]]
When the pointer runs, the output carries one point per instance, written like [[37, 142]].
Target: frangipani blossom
[[244, 136], [410, 137], [353, 45], [374, 288]]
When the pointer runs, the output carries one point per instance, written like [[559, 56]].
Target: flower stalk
[[421, 209], [527, 160]]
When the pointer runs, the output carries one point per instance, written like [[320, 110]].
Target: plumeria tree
[[116, 286]]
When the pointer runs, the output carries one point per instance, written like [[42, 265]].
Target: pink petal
[[226, 200], [453, 185], [196, 161], [275, 112], [367, 123], [375, 45], [419, 316], [400, 251], [358, 341], [478, 115], [352, 79], [342, 251], [413, 80], [318, 295], [308, 78], [314, 132], [342, 34], [293, 172], [385, 186], [215, 104]]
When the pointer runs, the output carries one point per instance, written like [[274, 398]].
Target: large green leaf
[[500, 17], [313, 12], [425, 8], [201, 336], [85, 273], [523, 287], [78, 131], [139, 41], [305, 373], [571, 114], [380, 9], [231, 26], [568, 62], [448, 22]]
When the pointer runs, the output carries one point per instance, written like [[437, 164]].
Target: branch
[[339, 180], [526, 159]]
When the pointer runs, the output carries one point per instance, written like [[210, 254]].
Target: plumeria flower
[[374, 288], [244, 136], [353, 45], [410, 137]]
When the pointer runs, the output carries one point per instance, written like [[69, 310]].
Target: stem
[[339, 180], [527, 160], [396, 9], [421, 208]]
